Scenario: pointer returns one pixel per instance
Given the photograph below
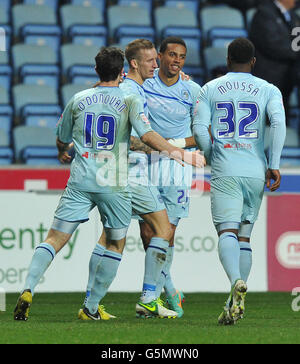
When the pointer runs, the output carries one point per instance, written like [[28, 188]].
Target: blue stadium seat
[[165, 17], [122, 16], [32, 95], [4, 96], [189, 4], [220, 17], [5, 11], [290, 157], [88, 81], [4, 58], [5, 76], [146, 4], [6, 153], [49, 35], [5, 5], [43, 75], [89, 35], [6, 116], [47, 121], [77, 59], [69, 90], [50, 3], [5, 37], [221, 37], [41, 115], [25, 54], [6, 156], [100, 4], [72, 15], [214, 57], [32, 136], [4, 139], [126, 33], [23, 14], [40, 155]]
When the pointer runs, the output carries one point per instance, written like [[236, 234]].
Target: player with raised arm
[[98, 121], [237, 106]]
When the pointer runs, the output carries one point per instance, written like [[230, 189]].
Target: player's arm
[[157, 142], [64, 132], [201, 124], [276, 113], [137, 145], [63, 148]]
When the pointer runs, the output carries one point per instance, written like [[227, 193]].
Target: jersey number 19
[[104, 129]]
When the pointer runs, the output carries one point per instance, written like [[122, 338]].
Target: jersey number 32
[[242, 126]]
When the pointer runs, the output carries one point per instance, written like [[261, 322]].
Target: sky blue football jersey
[[99, 122], [138, 161], [171, 108], [237, 106], [171, 111]]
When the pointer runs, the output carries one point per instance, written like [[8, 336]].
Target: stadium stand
[[35, 138], [120, 21], [165, 17], [50, 46]]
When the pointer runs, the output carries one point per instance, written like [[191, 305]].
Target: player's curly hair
[[109, 63]]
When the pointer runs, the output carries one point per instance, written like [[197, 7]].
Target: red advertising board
[[17, 178], [283, 242]]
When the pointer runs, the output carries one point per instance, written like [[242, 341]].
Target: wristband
[[179, 143]]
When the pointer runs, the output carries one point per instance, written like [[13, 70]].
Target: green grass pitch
[[269, 319]]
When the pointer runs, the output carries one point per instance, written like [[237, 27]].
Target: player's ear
[[121, 75], [253, 61], [134, 64]]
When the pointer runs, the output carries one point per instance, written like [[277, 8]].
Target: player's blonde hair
[[133, 49]]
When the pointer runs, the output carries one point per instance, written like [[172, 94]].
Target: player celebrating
[[98, 121], [237, 106], [147, 203], [171, 103]]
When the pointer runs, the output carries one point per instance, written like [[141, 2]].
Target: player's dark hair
[[171, 40], [109, 63], [133, 49], [241, 50]]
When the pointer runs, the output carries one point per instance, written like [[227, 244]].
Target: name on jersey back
[[238, 86], [104, 99]]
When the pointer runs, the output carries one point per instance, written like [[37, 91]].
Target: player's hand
[[184, 76], [273, 174], [64, 157]]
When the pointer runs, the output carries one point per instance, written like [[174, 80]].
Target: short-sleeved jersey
[[171, 111], [237, 106], [99, 121], [171, 108], [138, 162]]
